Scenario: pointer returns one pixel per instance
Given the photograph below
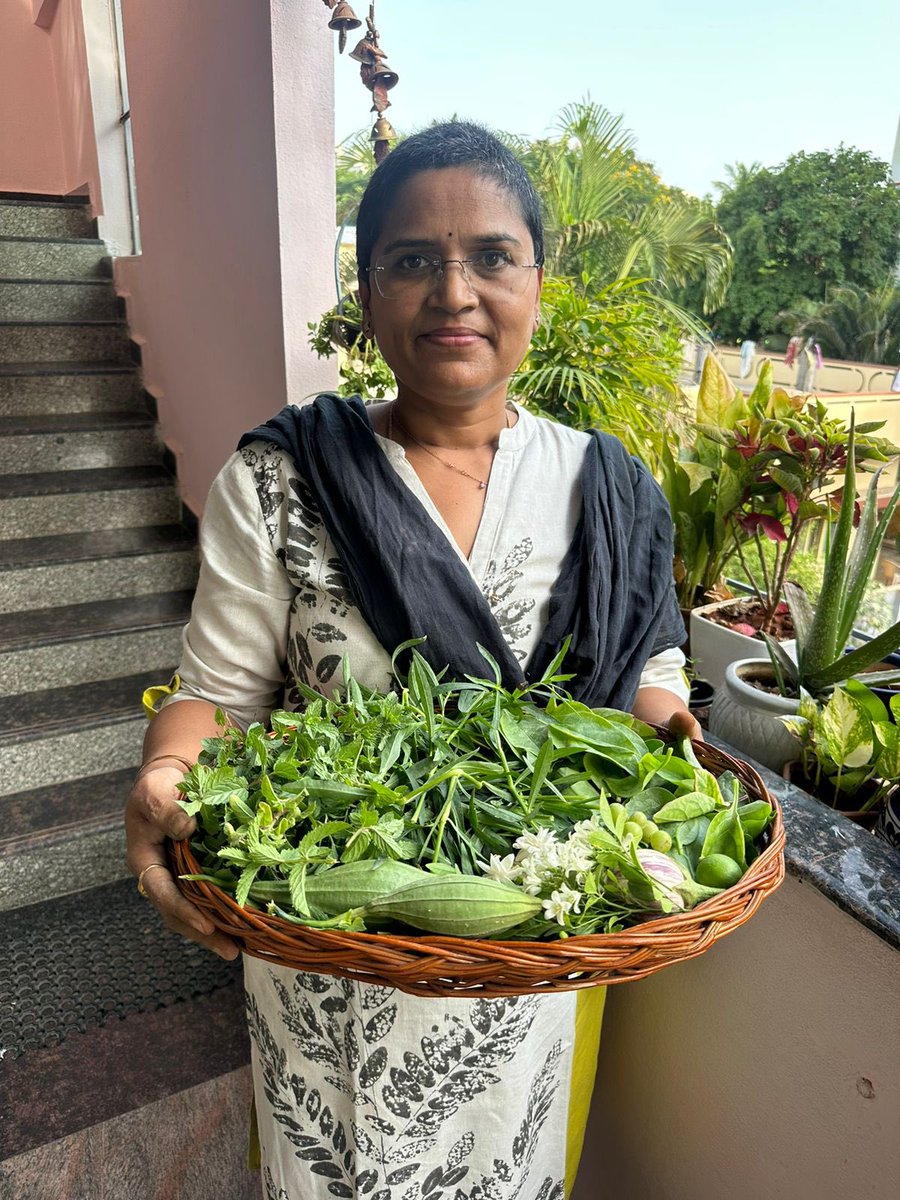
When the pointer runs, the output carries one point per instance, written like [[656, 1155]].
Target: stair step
[[37, 809], [80, 501], [64, 341], [62, 734], [77, 441], [87, 643], [35, 218], [54, 258], [106, 565], [42, 867], [69, 388], [58, 299]]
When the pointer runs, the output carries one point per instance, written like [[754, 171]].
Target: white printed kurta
[[363, 1090]]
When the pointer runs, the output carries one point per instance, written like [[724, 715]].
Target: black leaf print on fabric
[[273, 1192], [364, 1143], [396, 1103], [380, 1025], [383, 1194], [461, 1149], [332, 1170], [351, 1046], [499, 586], [337, 586], [323, 632], [334, 1004], [373, 995], [382, 1126], [551, 1190], [404, 1084], [373, 1067], [454, 1175], [402, 1174], [540, 1099], [409, 1150], [485, 1012], [432, 1181], [443, 1052], [502, 1170], [327, 666], [418, 1069], [365, 1181], [305, 981], [338, 1188]]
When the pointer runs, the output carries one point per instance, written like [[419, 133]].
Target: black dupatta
[[614, 594]]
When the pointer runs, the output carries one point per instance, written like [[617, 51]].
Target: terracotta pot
[[748, 718], [714, 647]]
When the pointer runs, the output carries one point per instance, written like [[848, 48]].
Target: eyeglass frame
[[438, 276]]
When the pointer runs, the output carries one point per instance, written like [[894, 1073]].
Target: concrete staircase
[[96, 567]]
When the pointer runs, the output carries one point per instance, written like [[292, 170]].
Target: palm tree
[[852, 323], [594, 225]]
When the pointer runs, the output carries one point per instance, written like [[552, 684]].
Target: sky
[[699, 84]]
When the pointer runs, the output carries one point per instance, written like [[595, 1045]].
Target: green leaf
[[846, 730], [242, 890], [857, 660], [888, 736]]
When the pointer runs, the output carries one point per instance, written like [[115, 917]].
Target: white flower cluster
[[543, 862]]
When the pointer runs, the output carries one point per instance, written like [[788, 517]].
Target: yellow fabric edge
[[588, 1021], [153, 696]]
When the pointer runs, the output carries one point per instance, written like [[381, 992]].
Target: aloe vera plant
[[823, 634]]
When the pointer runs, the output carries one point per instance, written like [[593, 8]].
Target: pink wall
[[46, 123], [31, 150], [73, 93], [205, 296]]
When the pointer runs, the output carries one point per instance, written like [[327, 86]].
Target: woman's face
[[454, 343]]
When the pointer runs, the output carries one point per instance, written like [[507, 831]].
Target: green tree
[[608, 214], [819, 221], [852, 323]]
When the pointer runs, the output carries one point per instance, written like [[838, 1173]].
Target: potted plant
[[849, 750], [758, 691], [790, 456]]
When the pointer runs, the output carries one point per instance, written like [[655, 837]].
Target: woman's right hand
[[151, 815]]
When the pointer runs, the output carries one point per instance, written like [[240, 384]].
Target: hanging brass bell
[[384, 77], [343, 18], [366, 52], [382, 131]]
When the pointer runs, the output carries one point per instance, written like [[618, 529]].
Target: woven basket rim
[[432, 964]]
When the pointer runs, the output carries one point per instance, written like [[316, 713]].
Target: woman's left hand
[[684, 724]]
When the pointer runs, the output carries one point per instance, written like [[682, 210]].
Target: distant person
[[807, 362], [748, 350]]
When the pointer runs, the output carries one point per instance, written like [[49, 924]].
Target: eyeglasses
[[406, 274]]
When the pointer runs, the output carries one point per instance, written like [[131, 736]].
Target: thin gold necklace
[[482, 483]]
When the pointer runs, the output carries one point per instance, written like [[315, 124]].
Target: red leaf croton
[[770, 526]]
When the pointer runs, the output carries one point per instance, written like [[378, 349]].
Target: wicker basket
[[428, 965]]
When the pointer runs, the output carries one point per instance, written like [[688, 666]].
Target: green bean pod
[[457, 905]]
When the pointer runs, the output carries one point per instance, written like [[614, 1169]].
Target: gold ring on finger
[[141, 887]]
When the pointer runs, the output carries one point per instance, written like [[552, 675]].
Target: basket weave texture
[[429, 965]]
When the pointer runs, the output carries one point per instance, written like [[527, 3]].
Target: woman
[[450, 513]]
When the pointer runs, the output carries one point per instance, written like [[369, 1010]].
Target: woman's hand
[[684, 724], [151, 815]]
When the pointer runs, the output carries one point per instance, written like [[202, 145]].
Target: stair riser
[[63, 867], [27, 516], [61, 757], [28, 588], [58, 302], [90, 660], [20, 455], [59, 221], [64, 343], [53, 260], [23, 395]]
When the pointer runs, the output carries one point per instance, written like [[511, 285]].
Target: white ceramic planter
[[747, 718], [714, 647]]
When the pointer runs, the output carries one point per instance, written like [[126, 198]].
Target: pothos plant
[[849, 747], [788, 460]]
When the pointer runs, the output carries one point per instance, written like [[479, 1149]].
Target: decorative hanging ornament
[[378, 74], [367, 51], [382, 135], [343, 18]]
